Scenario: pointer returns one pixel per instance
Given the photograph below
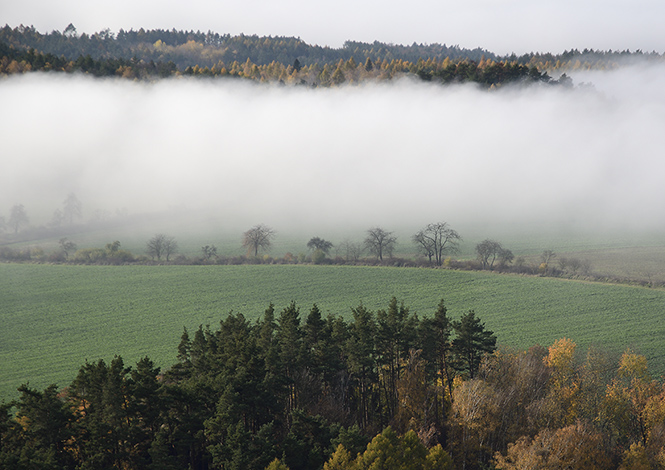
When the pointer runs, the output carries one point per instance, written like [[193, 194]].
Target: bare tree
[[161, 245], [258, 238], [547, 256], [380, 242], [489, 251], [170, 247], [352, 250], [436, 240]]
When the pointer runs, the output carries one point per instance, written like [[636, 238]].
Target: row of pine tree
[[385, 389]]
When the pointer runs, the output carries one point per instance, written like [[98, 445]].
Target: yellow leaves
[[633, 366], [635, 458], [475, 407], [560, 357], [575, 447]]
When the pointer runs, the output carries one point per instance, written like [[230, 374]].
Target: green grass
[[54, 317]]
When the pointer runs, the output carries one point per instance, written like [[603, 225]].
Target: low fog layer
[[402, 153]]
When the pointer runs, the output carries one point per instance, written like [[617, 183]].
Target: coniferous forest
[[157, 54], [386, 389]]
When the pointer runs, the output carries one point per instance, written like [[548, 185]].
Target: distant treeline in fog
[[162, 53]]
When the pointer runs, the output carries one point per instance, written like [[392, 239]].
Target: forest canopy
[[386, 389], [149, 54]]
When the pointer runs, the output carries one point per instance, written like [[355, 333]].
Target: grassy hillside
[[55, 317]]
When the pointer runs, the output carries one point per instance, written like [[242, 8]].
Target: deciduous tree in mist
[[352, 250], [380, 242], [67, 246], [209, 251], [317, 243], [490, 251], [71, 208], [161, 245], [257, 238], [18, 217], [437, 239]]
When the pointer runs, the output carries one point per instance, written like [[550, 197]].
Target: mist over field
[[393, 154]]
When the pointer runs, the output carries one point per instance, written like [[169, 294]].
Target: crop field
[[55, 317]]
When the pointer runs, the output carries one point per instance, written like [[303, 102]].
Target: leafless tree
[[161, 245], [489, 251], [257, 238], [380, 242], [352, 251], [436, 240], [547, 256]]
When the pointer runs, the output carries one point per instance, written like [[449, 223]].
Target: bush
[[318, 257]]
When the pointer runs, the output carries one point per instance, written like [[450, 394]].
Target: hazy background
[[541, 159], [502, 26]]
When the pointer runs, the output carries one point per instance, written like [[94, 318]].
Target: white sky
[[501, 26]]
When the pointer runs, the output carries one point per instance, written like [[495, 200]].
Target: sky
[[500, 26]]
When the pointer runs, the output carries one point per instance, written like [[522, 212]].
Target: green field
[[54, 317]]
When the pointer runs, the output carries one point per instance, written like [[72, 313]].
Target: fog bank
[[402, 153]]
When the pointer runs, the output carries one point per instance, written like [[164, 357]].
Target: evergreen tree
[[360, 350], [471, 343]]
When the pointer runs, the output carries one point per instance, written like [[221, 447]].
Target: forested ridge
[[162, 53], [386, 389]]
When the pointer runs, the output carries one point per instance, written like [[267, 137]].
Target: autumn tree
[[575, 447], [561, 406], [257, 238], [379, 242], [634, 404], [436, 240]]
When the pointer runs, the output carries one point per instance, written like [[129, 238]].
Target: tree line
[[434, 244], [206, 49], [486, 73], [385, 389]]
